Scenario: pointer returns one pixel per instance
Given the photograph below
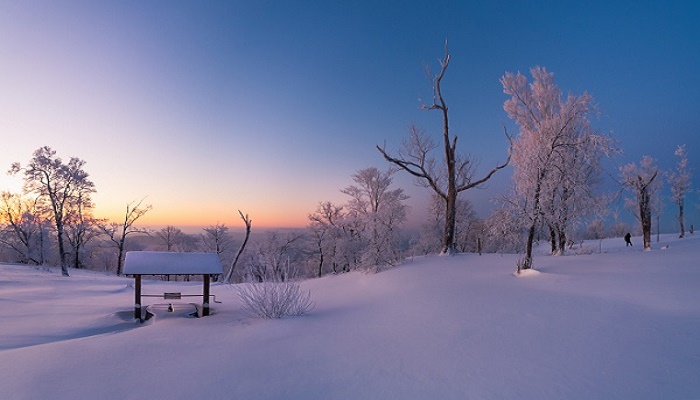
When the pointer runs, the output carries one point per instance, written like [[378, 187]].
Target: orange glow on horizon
[[283, 218]]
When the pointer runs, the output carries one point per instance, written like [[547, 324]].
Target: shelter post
[[205, 295], [137, 296]]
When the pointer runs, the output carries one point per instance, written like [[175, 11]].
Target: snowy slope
[[624, 324]]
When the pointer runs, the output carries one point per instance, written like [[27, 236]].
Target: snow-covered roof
[[160, 262]]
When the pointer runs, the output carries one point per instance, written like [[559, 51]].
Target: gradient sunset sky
[[269, 107]]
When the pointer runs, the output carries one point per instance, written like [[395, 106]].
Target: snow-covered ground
[[624, 324]]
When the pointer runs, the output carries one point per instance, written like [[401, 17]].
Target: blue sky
[[270, 107]]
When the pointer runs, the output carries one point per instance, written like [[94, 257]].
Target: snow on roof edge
[[170, 263]]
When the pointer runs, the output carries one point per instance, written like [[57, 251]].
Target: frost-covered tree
[[457, 173], [23, 229], [680, 181], [555, 156], [81, 227], [503, 230], [326, 232], [275, 257], [364, 232], [641, 181], [595, 230], [118, 232], [618, 228], [345, 243], [378, 211], [59, 184], [571, 189]]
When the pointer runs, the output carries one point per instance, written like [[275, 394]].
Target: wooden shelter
[[139, 263]]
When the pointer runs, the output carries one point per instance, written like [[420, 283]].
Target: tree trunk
[[553, 239], [61, 249], [451, 199], [248, 222], [528, 248], [76, 257], [645, 216], [561, 235], [563, 221], [535, 219], [680, 218], [320, 265], [120, 256], [448, 242], [42, 255]]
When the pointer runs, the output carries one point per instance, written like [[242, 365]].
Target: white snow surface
[[624, 324]]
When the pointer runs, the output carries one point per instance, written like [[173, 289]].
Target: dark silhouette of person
[[628, 239]]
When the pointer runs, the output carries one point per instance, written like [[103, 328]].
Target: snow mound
[[526, 272]]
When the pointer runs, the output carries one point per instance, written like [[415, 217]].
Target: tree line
[[555, 195]]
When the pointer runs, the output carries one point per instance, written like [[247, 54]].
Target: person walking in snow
[[628, 239]]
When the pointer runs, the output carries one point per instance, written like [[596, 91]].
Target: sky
[[207, 108]]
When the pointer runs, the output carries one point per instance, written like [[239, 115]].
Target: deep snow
[[624, 324]]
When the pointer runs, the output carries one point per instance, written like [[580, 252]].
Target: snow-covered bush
[[587, 250], [274, 299]]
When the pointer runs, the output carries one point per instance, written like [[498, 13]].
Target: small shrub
[[274, 299], [586, 250]]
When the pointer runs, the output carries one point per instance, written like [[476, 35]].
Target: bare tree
[[188, 243], [641, 181], [248, 223], [49, 177], [217, 239], [170, 236], [458, 174], [117, 232], [680, 181]]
